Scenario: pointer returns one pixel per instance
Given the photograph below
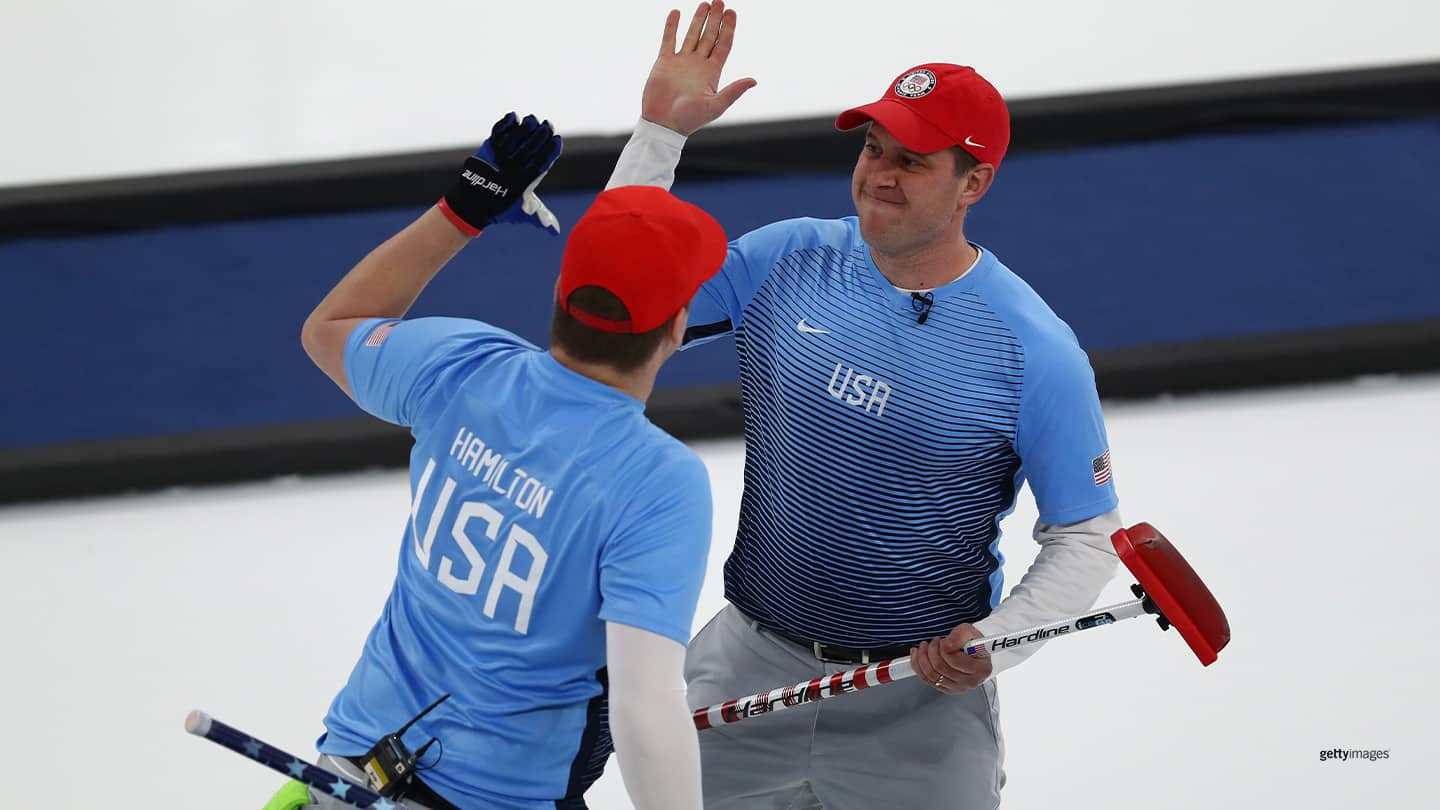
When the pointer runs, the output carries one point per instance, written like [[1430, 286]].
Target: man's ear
[[677, 326], [976, 183]]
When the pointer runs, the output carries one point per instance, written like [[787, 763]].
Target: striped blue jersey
[[882, 453], [544, 504]]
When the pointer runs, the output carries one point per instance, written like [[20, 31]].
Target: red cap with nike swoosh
[[938, 105]]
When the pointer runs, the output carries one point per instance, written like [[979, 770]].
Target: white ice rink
[[1306, 510]]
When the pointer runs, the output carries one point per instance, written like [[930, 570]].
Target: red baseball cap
[[646, 247], [938, 105]]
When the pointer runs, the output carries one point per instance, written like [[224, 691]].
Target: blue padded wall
[[1219, 236]]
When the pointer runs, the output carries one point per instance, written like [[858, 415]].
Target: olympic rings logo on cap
[[915, 84]]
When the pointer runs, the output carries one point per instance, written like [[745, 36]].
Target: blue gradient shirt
[[881, 452], [544, 504]]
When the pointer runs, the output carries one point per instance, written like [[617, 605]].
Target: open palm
[[681, 93]]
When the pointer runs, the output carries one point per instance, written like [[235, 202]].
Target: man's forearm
[[383, 285], [1074, 565], [388, 280]]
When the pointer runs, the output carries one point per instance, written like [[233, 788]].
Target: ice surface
[[1304, 510]]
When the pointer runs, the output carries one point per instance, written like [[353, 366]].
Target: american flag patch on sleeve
[[378, 335], [1101, 465]]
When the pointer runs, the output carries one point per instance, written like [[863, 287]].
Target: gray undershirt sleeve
[[650, 720], [649, 158], [1074, 565]]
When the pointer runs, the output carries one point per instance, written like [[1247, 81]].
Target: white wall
[[1307, 511], [94, 89]]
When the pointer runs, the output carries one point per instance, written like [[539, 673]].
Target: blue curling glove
[[497, 184]]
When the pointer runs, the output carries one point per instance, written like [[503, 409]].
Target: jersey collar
[[901, 300], [583, 387]]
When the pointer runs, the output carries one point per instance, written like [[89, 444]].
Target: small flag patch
[[1101, 465], [378, 336]]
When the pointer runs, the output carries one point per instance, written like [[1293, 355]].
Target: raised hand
[[681, 93], [504, 171]]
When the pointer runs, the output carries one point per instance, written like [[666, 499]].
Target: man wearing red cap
[[900, 384], [557, 540]]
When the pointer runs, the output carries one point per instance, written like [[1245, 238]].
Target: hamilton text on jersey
[[492, 468]]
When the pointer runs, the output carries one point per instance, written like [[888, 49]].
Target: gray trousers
[[900, 745]]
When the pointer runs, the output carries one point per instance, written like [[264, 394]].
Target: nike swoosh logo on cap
[[970, 142], [808, 329]]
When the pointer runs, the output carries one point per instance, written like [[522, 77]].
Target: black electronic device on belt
[[389, 765]]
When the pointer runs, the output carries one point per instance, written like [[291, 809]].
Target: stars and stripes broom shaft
[[203, 725]]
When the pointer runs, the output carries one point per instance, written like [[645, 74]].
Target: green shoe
[[293, 796]]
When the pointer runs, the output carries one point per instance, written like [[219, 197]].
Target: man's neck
[[933, 266], [638, 384]]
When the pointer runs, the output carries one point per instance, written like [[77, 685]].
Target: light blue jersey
[[882, 452], [544, 504]]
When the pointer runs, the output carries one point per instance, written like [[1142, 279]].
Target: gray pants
[[899, 745]]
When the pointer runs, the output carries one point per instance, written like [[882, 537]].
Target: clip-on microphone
[[921, 303]]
